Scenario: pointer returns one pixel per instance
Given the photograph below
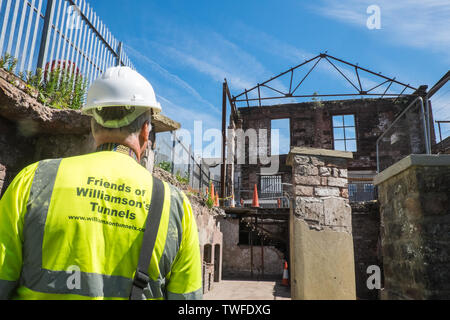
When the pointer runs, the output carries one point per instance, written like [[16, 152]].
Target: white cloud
[[415, 23], [216, 57]]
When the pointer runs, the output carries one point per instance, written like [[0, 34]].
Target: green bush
[[8, 63], [181, 179], [165, 165], [59, 88], [210, 199]]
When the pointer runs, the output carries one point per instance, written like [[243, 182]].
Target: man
[[73, 228]]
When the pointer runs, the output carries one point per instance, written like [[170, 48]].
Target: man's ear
[[145, 131]]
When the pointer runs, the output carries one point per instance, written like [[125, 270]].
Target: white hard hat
[[120, 86]]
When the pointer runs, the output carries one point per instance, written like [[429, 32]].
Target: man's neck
[[120, 148], [130, 142]]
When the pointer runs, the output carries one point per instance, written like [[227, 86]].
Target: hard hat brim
[[88, 109]]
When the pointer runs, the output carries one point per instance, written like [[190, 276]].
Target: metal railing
[[172, 155], [65, 34], [443, 129], [407, 134], [440, 85], [411, 128], [360, 191]]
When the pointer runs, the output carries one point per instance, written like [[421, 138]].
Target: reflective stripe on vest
[[36, 278], [6, 287]]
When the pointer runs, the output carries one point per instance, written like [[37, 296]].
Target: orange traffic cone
[[279, 203], [285, 281], [255, 203], [216, 200], [213, 194]]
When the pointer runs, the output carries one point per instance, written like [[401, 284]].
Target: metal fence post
[[189, 164], [5, 24], [201, 176], [46, 34], [173, 151], [119, 54]]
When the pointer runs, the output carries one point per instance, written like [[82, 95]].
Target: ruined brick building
[[259, 236], [313, 125]]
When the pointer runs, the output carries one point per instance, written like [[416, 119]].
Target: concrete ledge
[[163, 123], [423, 160], [317, 152]]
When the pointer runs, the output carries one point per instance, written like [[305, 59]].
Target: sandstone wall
[[415, 213]]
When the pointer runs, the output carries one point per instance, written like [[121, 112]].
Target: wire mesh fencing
[[172, 155]]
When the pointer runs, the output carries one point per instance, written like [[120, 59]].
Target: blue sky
[[186, 48]]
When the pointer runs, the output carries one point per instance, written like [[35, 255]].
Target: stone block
[[304, 191], [309, 209], [335, 172], [343, 173], [327, 192], [301, 160], [324, 172], [337, 182], [306, 170], [337, 212], [317, 161], [306, 180]]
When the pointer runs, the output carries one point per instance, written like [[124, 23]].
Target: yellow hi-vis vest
[[73, 228]]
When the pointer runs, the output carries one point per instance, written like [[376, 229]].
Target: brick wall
[[311, 126]]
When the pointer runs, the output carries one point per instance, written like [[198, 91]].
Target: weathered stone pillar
[[414, 196], [321, 244]]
